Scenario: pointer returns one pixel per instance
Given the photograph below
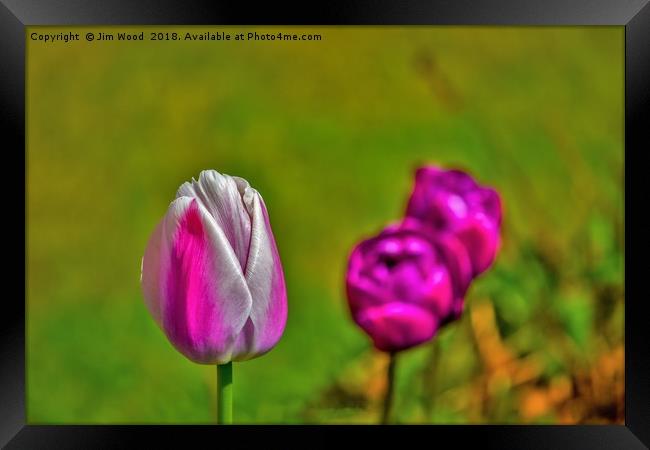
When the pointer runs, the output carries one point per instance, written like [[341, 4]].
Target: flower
[[451, 201], [211, 273], [405, 283]]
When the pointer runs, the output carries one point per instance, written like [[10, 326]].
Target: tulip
[[451, 201], [405, 283], [211, 273]]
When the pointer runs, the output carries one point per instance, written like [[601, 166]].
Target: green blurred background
[[330, 133]]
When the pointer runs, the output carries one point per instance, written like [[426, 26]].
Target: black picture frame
[[634, 15]]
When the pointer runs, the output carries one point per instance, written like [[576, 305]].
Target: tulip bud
[[451, 201], [405, 283], [211, 273]]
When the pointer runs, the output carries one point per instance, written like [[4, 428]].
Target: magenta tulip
[[403, 284], [211, 272], [451, 201]]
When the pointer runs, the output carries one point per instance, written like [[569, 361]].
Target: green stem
[[430, 375], [390, 389], [224, 393]]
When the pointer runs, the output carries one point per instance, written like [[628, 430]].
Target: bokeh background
[[330, 133]]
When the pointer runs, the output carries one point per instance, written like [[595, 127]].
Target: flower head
[[211, 273], [451, 201], [406, 282]]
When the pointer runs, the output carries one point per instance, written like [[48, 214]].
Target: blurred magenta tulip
[[451, 201], [211, 273], [403, 284]]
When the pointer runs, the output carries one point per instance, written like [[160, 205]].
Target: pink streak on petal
[[191, 317]]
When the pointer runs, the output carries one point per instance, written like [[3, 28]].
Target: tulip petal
[[221, 196], [150, 273], [481, 238], [265, 279], [397, 326], [205, 301]]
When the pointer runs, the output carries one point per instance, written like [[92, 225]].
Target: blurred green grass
[[330, 133]]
